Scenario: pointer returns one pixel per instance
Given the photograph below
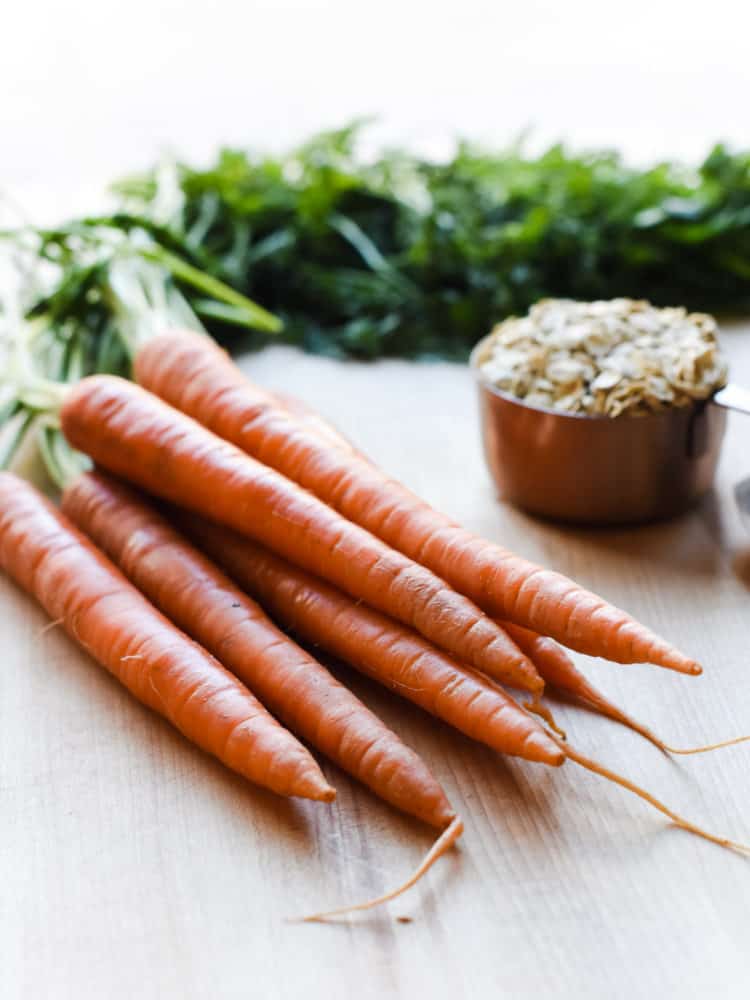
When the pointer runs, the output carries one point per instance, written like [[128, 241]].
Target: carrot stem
[[442, 845]]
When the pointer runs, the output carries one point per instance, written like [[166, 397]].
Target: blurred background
[[89, 91]]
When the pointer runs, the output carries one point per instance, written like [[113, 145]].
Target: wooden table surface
[[131, 865]]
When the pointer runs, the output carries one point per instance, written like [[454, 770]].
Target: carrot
[[137, 436], [322, 616], [389, 653], [376, 645], [200, 599], [50, 559], [552, 662], [196, 376], [558, 671]]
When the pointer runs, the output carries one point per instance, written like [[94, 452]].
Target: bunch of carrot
[[251, 521]]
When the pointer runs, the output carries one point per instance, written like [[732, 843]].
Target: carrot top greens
[[401, 256], [393, 256]]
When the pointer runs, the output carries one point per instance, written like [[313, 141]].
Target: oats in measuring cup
[[605, 358]]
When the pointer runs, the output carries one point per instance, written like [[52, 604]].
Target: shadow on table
[[691, 544], [741, 566], [153, 738]]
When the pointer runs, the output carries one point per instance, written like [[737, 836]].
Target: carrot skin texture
[[200, 599], [132, 433], [50, 559], [377, 646], [196, 376]]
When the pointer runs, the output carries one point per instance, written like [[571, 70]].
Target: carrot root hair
[[442, 845], [617, 715], [596, 701], [596, 768], [544, 712], [606, 708], [50, 625], [706, 749]]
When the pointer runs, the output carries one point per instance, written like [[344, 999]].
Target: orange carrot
[[134, 434], [72, 580], [552, 662], [197, 596], [376, 645], [323, 616], [197, 377]]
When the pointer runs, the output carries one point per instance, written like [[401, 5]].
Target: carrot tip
[[680, 664], [543, 750], [319, 791], [315, 787], [442, 845]]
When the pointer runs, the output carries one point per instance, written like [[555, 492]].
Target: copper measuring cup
[[601, 470]]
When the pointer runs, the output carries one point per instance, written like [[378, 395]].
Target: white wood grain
[[133, 866]]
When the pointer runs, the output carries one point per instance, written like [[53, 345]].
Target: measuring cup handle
[[733, 397]]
